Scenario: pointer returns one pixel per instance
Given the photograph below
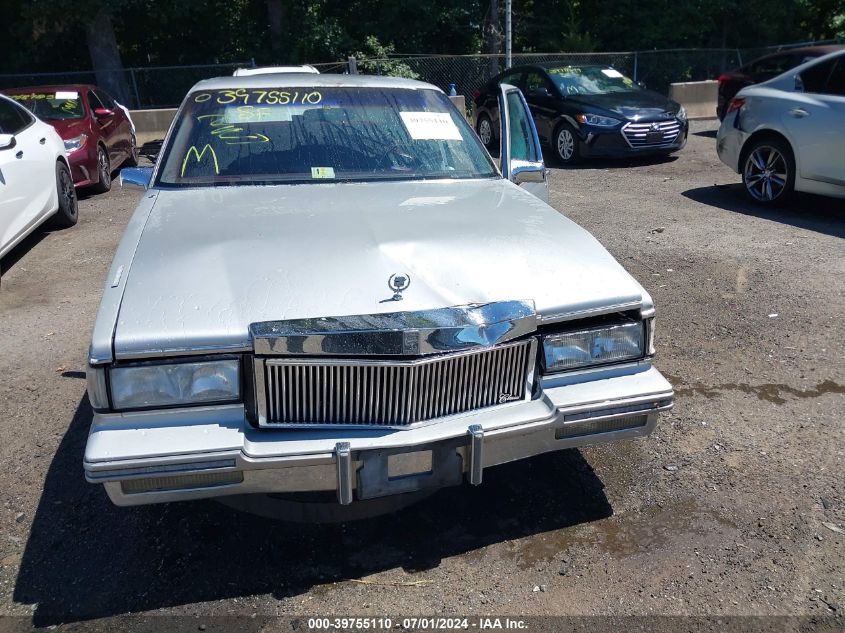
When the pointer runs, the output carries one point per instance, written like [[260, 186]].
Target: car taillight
[[724, 77], [735, 104], [476, 93]]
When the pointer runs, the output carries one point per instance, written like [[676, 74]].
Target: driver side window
[[536, 84]]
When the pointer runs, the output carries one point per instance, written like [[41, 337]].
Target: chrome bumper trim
[[337, 469]]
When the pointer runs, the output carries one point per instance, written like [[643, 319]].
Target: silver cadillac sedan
[[329, 287]]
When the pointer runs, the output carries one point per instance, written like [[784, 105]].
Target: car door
[[511, 77], [27, 173], [123, 129], [521, 155], [540, 95], [815, 119], [107, 128]]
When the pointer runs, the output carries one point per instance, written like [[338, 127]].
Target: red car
[[98, 133]]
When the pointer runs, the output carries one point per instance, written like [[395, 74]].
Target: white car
[[788, 134], [35, 180]]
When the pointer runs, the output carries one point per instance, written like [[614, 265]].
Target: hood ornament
[[398, 283]]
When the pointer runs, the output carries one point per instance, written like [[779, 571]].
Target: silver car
[[330, 288], [788, 134]]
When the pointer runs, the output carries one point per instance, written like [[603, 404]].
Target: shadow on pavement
[[706, 133], [86, 558], [24, 246], [814, 213], [608, 163]]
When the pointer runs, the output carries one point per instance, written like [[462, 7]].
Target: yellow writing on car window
[[192, 151], [566, 70], [230, 133], [260, 97]]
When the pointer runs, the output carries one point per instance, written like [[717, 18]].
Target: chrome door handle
[[799, 113], [19, 154]]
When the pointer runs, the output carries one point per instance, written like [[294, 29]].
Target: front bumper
[[83, 165], [729, 141], [596, 142], [153, 457]]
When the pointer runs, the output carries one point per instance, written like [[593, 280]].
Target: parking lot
[[735, 505]]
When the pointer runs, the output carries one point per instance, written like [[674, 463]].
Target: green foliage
[[49, 35], [373, 60]]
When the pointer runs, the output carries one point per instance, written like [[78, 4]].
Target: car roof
[[49, 88], [817, 51], [293, 80]]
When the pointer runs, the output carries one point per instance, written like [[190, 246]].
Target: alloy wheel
[[68, 192], [103, 167], [565, 144], [485, 131], [766, 173]]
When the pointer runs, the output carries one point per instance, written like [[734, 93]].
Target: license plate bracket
[[375, 479], [654, 138]]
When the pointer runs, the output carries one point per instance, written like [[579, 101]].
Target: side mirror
[[542, 91], [524, 171], [136, 176], [799, 84], [103, 113], [7, 141], [641, 84]]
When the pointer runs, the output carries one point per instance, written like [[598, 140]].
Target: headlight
[[593, 346], [595, 119], [682, 114], [78, 142], [173, 384]]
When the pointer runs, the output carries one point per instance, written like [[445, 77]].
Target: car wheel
[[485, 131], [103, 171], [566, 144], [768, 171], [132, 160], [68, 212]]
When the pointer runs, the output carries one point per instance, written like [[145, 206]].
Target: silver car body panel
[[304, 251], [813, 125]]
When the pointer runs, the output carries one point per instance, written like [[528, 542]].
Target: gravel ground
[[735, 506]]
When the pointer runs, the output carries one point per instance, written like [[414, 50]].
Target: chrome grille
[[330, 392], [637, 133]]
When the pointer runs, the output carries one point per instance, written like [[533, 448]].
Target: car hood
[[633, 106], [211, 261]]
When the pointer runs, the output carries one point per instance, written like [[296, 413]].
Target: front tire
[[768, 172], [484, 128], [566, 144], [68, 212], [103, 171]]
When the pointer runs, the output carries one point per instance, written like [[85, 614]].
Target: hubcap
[[565, 144], [485, 131], [765, 173]]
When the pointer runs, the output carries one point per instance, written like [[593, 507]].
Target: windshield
[[256, 136], [573, 80], [52, 105]]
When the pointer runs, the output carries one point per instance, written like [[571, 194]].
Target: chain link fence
[[147, 88], [656, 69], [165, 86]]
